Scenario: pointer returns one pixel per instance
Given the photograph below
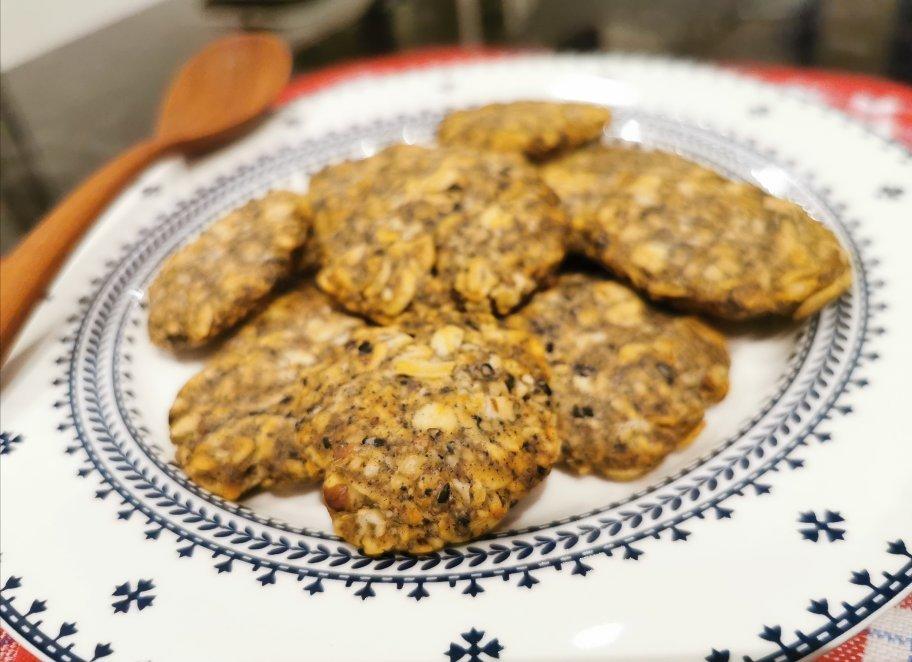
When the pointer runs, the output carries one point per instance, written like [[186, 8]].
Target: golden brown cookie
[[434, 306], [234, 423], [535, 129], [485, 224], [217, 405], [374, 256], [630, 383], [436, 441], [209, 285], [302, 316], [684, 234]]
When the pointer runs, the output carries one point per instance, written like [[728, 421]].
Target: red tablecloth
[[883, 105]]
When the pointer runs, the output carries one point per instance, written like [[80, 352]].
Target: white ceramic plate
[[777, 533]]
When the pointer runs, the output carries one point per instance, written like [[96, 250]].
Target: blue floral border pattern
[[29, 628], [474, 648], [128, 595], [8, 442], [838, 619], [234, 536], [828, 526]]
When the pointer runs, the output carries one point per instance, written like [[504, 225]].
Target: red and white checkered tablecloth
[[888, 638], [885, 106]]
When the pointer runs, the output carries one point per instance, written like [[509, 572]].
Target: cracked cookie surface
[[436, 441], [535, 129], [214, 282], [684, 234], [630, 383], [483, 224]]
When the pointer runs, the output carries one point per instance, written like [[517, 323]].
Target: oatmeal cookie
[[684, 234], [303, 316], [630, 383], [436, 441], [209, 285], [485, 224], [227, 399], [536, 129], [234, 423], [435, 306]]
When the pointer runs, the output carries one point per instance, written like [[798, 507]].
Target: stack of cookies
[[406, 335]]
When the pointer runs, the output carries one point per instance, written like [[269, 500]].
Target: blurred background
[[81, 81]]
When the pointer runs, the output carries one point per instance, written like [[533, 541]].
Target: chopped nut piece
[[445, 341], [435, 416]]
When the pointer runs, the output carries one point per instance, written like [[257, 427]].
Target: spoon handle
[[28, 270]]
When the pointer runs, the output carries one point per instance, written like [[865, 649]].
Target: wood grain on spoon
[[220, 92]]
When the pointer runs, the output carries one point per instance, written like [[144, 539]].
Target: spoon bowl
[[215, 96], [222, 89]]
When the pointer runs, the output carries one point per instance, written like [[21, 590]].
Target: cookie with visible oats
[[630, 383], [435, 306], [302, 316], [485, 224], [536, 129], [234, 423], [684, 234], [211, 284], [435, 442]]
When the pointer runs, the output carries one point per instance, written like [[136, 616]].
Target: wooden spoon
[[215, 96]]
